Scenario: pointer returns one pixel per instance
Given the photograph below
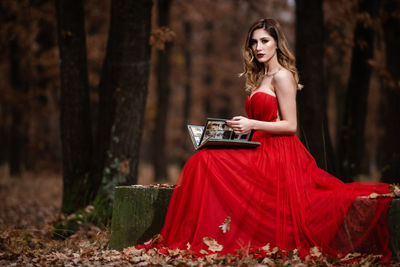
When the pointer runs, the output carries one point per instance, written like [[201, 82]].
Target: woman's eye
[[264, 41]]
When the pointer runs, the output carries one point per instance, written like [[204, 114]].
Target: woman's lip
[[260, 55]]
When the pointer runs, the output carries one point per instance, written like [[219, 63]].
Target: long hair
[[253, 70]]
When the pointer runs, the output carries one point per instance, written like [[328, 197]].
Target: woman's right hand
[[240, 124]]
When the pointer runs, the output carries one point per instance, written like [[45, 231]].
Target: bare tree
[[188, 86], [352, 135], [123, 91], [312, 99], [18, 128], [76, 135], [163, 92], [389, 152]]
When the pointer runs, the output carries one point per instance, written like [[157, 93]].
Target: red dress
[[273, 194]]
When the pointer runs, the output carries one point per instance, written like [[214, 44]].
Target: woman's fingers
[[237, 118]]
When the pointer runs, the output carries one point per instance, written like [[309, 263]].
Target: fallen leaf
[[212, 244], [203, 252], [89, 208], [395, 188], [373, 195], [268, 262], [133, 251], [315, 252], [154, 240], [351, 256], [266, 247], [225, 226], [174, 252], [125, 166]]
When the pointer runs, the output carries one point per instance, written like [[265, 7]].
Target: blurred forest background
[[100, 92]]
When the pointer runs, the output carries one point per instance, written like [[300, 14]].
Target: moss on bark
[[139, 213]]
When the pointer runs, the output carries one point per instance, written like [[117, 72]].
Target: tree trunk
[[313, 98], [123, 91], [76, 136], [18, 128], [5, 141], [389, 152], [187, 103], [208, 76], [163, 92], [352, 139]]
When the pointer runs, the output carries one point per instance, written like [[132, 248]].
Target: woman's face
[[263, 45]]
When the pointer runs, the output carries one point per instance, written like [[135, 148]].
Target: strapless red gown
[[273, 194]]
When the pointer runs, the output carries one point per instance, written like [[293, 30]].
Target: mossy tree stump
[[138, 214]]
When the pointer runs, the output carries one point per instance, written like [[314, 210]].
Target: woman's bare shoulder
[[283, 75], [283, 80]]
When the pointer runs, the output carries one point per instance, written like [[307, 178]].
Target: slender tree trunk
[[123, 91], [208, 78], [352, 139], [187, 102], [18, 128], [4, 138], [389, 152], [313, 98], [163, 92], [76, 136]]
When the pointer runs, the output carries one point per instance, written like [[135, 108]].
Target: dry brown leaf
[[124, 167], [373, 195], [133, 251], [212, 244], [89, 208], [159, 37], [395, 188], [266, 247], [351, 256], [376, 195], [225, 226], [210, 259], [315, 252], [203, 252], [174, 252], [268, 262], [155, 239]]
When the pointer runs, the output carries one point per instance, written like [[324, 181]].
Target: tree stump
[[394, 228], [138, 214]]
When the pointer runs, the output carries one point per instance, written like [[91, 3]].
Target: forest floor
[[29, 208]]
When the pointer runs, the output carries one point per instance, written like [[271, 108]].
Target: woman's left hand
[[240, 124]]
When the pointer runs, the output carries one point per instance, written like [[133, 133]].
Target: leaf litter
[[27, 238]]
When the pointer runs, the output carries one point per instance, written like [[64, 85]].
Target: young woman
[[275, 193]]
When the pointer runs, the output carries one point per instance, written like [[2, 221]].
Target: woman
[[275, 193]]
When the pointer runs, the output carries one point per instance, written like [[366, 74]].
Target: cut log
[[139, 214]]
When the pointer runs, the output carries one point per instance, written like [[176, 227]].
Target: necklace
[[271, 73]]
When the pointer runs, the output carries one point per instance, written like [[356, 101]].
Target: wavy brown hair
[[254, 70]]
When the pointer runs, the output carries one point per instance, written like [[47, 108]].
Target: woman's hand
[[240, 124]]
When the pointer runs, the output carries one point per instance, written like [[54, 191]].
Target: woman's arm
[[285, 89]]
